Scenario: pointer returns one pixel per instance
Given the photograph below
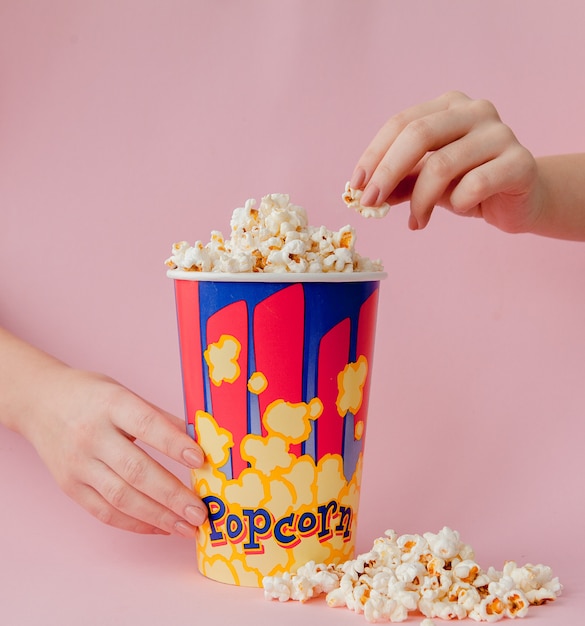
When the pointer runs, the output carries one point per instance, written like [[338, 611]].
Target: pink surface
[[126, 126]]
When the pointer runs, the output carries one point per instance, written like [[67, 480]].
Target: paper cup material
[[276, 376]]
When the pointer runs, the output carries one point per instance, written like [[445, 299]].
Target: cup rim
[[277, 277]]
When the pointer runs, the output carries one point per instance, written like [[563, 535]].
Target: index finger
[[387, 135], [157, 428]]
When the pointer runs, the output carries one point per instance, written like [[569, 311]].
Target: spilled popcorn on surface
[[273, 237], [352, 197], [433, 574]]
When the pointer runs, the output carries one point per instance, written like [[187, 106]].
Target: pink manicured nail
[[183, 529], [370, 196], [412, 223], [195, 515], [358, 178], [193, 457]]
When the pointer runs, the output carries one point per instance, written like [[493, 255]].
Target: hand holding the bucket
[[85, 427], [456, 152]]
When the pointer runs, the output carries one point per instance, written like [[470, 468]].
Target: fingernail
[[358, 178], [196, 515], [412, 223], [370, 196], [193, 457], [183, 529]]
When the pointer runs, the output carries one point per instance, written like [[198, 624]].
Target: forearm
[[562, 197], [26, 376]]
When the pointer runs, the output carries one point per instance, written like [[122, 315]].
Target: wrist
[[562, 197], [27, 379]]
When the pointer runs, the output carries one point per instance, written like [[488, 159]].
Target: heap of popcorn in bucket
[[274, 236], [432, 575]]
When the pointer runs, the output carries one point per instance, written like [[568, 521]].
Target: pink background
[[125, 126]]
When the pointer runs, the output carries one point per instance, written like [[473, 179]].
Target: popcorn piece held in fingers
[[352, 197]]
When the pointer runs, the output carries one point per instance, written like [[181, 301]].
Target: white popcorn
[[516, 603], [363, 264], [273, 237], [490, 609], [536, 581], [277, 588], [445, 544], [466, 571], [198, 256], [352, 197], [178, 251], [484, 578], [435, 587], [464, 594], [405, 595], [390, 554], [425, 606], [398, 613], [435, 574], [435, 564], [379, 608], [302, 588], [236, 263], [410, 572], [412, 547], [501, 587], [448, 610], [324, 579], [382, 580]]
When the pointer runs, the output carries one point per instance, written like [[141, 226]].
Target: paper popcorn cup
[[276, 375]]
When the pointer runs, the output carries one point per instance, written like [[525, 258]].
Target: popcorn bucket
[[276, 375]]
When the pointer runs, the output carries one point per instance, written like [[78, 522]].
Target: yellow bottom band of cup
[[279, 513]]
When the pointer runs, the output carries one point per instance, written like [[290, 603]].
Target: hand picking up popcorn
[[435, 574], [456, 152]]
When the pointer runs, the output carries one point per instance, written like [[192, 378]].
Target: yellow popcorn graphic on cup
[[292, 420], [222, 360], [351, 383], [257, 383]]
